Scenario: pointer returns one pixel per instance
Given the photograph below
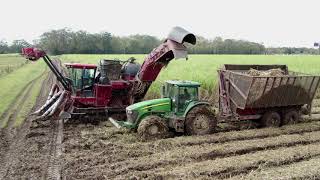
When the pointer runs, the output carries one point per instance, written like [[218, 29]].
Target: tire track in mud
[[175, 158], [14, 139], [222, 168], [53, 166], [168, 158], [307, 168], [29, 154], [88, 159], [149, 148]]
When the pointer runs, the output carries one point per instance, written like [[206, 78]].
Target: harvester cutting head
[[33, 54], [59, 99]]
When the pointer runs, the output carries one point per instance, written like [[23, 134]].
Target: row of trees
[[65, 41], [227, 46], [15, 46]]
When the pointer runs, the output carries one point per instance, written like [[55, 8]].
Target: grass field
[[10, 62], [202, 68], [16, 84], [102, 151]]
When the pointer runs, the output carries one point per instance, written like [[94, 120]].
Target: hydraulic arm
[[34, 54], [173, 47]]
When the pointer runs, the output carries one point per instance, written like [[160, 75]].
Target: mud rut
[[104, 152], [57, 150], [33, 149]]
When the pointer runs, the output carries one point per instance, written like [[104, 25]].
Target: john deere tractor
[[179, 110]]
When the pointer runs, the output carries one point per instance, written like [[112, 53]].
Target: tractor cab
[[83, 78], [182, 94]]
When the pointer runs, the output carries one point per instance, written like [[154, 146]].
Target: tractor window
[[186, 95]]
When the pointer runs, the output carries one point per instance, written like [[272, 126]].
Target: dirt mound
[[270, 72]]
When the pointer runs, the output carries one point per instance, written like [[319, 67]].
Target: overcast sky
[[273, 22]]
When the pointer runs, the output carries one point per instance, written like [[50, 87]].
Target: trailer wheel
[[271, 119], [152, 127], [200, 121], [291, 117]]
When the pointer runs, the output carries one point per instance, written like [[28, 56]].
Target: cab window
[[186, 95]]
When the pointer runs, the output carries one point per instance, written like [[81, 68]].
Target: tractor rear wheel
[[152, 127], [291, 117], [271, 119], [200, 121]]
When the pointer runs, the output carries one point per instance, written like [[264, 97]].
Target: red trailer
[[270, 100]]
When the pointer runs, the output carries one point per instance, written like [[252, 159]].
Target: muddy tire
[[152, 127], [291, 117], [200, 121], [305, 109], [271, 119]]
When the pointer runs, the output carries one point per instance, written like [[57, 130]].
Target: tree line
[[66, 41]]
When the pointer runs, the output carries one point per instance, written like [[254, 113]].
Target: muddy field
[[56, 150]]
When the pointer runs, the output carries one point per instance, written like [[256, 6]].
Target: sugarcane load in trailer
[[270, 99], [94, 92]]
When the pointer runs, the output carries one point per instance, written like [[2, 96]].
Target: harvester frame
[[109, 95]]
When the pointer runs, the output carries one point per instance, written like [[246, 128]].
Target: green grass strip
[[14, 82], [30, 102]]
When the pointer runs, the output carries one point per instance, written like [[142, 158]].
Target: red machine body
[[108, 88]]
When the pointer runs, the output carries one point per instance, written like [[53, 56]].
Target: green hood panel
[[153, 104]]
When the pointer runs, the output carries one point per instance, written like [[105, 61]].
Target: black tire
[[200, 121], [271, 119], [152, 127], [291, 117]]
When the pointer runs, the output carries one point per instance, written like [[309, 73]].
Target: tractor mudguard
[[192, 105], [180, 35]]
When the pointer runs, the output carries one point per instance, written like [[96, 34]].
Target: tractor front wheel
[[200, 121], [152, 127]]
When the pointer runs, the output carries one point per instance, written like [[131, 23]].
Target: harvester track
[[54, 162]]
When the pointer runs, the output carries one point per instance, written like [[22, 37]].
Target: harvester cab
[[179, 109], [83, 77]]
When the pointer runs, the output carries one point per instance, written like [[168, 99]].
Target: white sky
[[273, 22]]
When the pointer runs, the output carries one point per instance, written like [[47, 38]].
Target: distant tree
[[4, 48], [56, 41], [17, 45]]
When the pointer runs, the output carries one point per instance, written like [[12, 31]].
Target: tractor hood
[[150, 104]]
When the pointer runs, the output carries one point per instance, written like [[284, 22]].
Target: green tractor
[[179, 110]]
